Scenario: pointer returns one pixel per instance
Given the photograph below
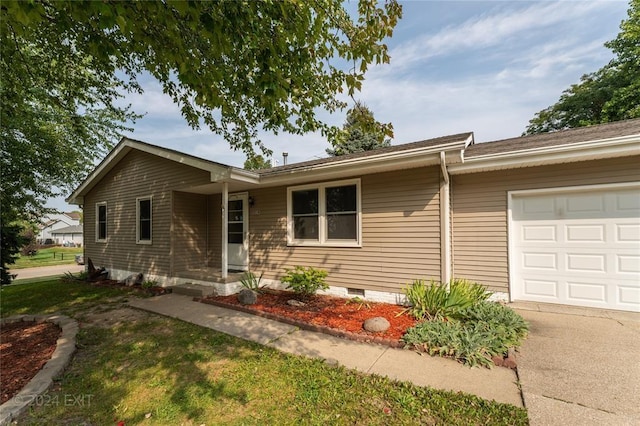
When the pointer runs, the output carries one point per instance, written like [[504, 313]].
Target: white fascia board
[[591, 150], [218, 172], [242, 175], [312, 174], [355, 166]]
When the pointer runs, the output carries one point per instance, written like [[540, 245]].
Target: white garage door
[[577, 246]]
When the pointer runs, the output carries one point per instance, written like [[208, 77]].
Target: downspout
[[225, 227], [445, 222]]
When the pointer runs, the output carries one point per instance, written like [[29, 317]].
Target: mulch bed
[[326, 314], [25, 347]]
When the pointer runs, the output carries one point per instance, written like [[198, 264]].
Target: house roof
[[601, 141], [73, 229], [555, 139], [218, 171], [459, 141], [458, 152], [73, 215]]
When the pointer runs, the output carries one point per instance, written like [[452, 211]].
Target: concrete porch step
[[193, 290]]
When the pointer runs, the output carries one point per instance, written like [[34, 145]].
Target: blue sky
[[456, 66]]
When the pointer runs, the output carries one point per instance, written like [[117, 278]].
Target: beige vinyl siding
[[479, 210], [137, 175], [189, 231], [400, 234]]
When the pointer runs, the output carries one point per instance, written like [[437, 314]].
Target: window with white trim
[[324, 214], [143, 220], [101, 221]]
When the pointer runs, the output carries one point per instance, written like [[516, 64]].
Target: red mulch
[[326, 312], [25, 347]]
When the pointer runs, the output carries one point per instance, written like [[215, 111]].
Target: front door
[[238, 244]]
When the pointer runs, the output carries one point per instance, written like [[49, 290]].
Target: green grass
[[45, 297], [161, 371], [47, 257]]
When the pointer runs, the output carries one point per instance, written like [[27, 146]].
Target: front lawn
[[48, 257], [158, 370]]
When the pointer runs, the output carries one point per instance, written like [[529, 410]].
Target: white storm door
[[577, 247], [237, 233]]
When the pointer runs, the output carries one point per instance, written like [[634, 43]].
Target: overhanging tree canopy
[[233, 66]]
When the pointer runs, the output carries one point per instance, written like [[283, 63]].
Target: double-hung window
[[143, 220], [325, 214], [101, 221]]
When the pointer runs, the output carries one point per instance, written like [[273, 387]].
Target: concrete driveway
[[580, 366]]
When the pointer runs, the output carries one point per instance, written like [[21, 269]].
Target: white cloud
[[487, 30]]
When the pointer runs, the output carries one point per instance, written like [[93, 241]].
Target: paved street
[[47, 271]]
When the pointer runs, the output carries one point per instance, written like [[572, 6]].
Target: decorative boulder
[[376, 325], [294, 302], [133, 279], [247, 297]]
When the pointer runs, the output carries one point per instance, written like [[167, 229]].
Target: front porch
[[209, 275]]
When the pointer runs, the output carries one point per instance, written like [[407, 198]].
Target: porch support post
[[225, 228], [445, 223]]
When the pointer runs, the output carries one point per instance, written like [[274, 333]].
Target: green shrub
[[483, 330], [435, 300], [305, 281], [250, 281], [149, 284]]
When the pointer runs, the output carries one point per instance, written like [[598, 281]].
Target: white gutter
[[445, 222], [590, 150]]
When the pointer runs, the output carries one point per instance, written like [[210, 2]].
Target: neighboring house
[[54, 222], [69, 235], [548, 218]]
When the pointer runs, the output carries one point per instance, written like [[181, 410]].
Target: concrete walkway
[[580, 366], [46, 271], [498, 384]]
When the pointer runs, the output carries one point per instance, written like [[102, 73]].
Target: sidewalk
[[499, 384]]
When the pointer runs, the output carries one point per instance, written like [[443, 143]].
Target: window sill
[[332, 244], [144, 243]]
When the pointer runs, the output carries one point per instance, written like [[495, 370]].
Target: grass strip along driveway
[[47, 257], [138, 367]]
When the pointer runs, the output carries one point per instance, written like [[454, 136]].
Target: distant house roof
[[73, 215], [73, 229]]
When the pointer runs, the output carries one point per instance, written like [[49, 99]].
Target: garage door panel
[[628, 232], [628, 264], [579, 247], [629, 296], [541, 289], [592, 233], [547, 261], [586, 292], [531, 233], [628, 201], [585, 204]]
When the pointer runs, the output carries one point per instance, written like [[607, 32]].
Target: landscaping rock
[[131, 280], [376, 324], [294, 302], [247, 297]]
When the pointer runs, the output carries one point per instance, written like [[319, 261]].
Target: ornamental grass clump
[[252, 282], [305, 281], [439, 300], [480, 332]]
